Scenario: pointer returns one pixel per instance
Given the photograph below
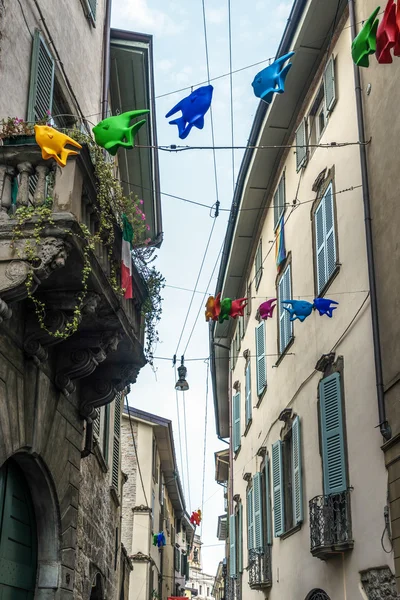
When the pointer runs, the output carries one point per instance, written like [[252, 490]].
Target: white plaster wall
[[295, 571]]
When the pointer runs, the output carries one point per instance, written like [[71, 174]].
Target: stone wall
[[379, 584], [129, 467]]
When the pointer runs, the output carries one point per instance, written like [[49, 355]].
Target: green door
[[18, 543]]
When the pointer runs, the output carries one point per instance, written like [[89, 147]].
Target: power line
[[181, 148], [136, 453], [231, 93]]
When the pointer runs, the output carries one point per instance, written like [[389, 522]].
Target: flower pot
[[19, 140]]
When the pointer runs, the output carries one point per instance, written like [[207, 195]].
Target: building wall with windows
[[307, 479]]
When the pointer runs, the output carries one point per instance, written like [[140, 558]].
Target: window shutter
[[277, 482], [333, 452], [297, 474], [236, 422], [285, 324], [232, 546], [41, 80], [279, 201], [240, 538], [250, 521], [258, 265], [106, 432], [268, 503], [325, 239], [92, 5], [320, 246], [329, 85], [116, 441], [257, 503], [301, 145], [96, 423], [261, 358], [248, 393]]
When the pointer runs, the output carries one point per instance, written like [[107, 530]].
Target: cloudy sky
[[180, 61]]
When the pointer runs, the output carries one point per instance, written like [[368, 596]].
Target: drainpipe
[[383, 423], [230, 447], [106, 66]]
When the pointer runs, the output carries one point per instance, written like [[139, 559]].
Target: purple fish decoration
[[271, 80], [267, 308], [324, 306], [300, 309], [193, 109]]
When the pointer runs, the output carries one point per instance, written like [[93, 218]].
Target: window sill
[[114, 496], [282, 356], [100, 458], [329, 282], [247, 427], [260, 397], [291, 531]]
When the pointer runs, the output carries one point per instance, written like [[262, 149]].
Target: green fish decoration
[[113, 132], [226, 305], [364, 43]]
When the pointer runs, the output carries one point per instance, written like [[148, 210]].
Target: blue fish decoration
[[193, 109], [325, 306], [301, 309], [271, 80]]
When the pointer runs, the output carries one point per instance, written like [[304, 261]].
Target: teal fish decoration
[[113, 132]]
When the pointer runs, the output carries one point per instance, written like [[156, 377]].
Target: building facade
[[153, 502], [61, 316], [199, 584], [307, 484]]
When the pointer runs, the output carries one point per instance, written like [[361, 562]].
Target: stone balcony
[[111, 330]]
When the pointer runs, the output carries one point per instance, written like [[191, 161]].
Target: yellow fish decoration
[[53, 142]]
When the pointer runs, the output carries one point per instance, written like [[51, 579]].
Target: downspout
[[383, 423], [106, 66], [230, 446]]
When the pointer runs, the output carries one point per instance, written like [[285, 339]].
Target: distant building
[[199, 584]]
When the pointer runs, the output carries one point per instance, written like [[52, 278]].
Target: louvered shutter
[[277, 482], [232, 546], [333, 452], [96, 423], [320, 245], [257, 503], [116, 441], [92, 5], [240, 538], [248, 393], [325, 239], [297, 474], [279, 201], [301, 145], [236, 422], [329, 85], [285, 324], [250, 520], [41, 80], [261, 358], [258, 265], [268, 503]]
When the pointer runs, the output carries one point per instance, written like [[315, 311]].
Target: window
[[258, 265], [153, 503], [236, 422], [267, 504], [329, 85], [301, 145], [285, 324], [177, 559], [279, 201], [248, 407], [116, 441], [161, 491], [261, 359], [287, 481], [232, 546], [332, 435], [200, 589], [41, 80], [248, 306], [208, 591], [235, 543], [250, 519], [325, 240], [154, 459]]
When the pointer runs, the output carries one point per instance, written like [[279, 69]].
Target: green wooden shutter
[[236, 422], [258, 265], [329, 85], [261, 358], [248, 394], [301, 145], [240, 538], [232, 546], [250, 520], [285, 324], [277, 482], [92, 5], [333, 451], [41, 80], [116, 441], [297, 474], [257, 503], [268, 503]]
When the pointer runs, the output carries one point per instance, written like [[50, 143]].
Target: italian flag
[[126, 266]]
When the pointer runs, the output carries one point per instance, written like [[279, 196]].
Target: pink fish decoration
[[267, 308]]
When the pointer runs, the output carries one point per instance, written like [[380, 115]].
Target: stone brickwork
[[379, 584], [129, 467]]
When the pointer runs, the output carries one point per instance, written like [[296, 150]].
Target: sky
[[180, 61]]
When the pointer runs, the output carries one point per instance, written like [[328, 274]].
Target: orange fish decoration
[[53, 142]]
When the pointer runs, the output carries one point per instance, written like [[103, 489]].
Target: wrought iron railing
[[233, 588], [330, 524], [260, 574]]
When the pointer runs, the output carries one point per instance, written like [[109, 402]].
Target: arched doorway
[[97, 588], [317, 595], [18, 537]]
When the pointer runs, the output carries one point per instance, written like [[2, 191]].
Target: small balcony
[[233, 588], [330, 525], [260, 573]]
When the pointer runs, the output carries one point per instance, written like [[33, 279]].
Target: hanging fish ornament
[[386, 34], [271, 80], [237, 308], [53, 142], [195, 519], [325, 306], [114, 132], [266, 309], [193, 109], [300, 309], [226, 305], [213, 307], [364, 43]]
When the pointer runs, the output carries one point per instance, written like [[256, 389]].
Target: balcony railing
[[233, 588], [330, 524], [260, 574]]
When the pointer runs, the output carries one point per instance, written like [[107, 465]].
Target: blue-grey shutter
[[41, 80], [250, 520], [297, 474], [277, 483], [232, 546], [236, 422], [257, 511], [261, 358], [320, 246], [268, 503], [285, 324], [301, 145], [279, 201], [329, 85], [325, 239], [333, 452], [248, 393], [92, 5], [258, 265], [240, 538], [116, 441]]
